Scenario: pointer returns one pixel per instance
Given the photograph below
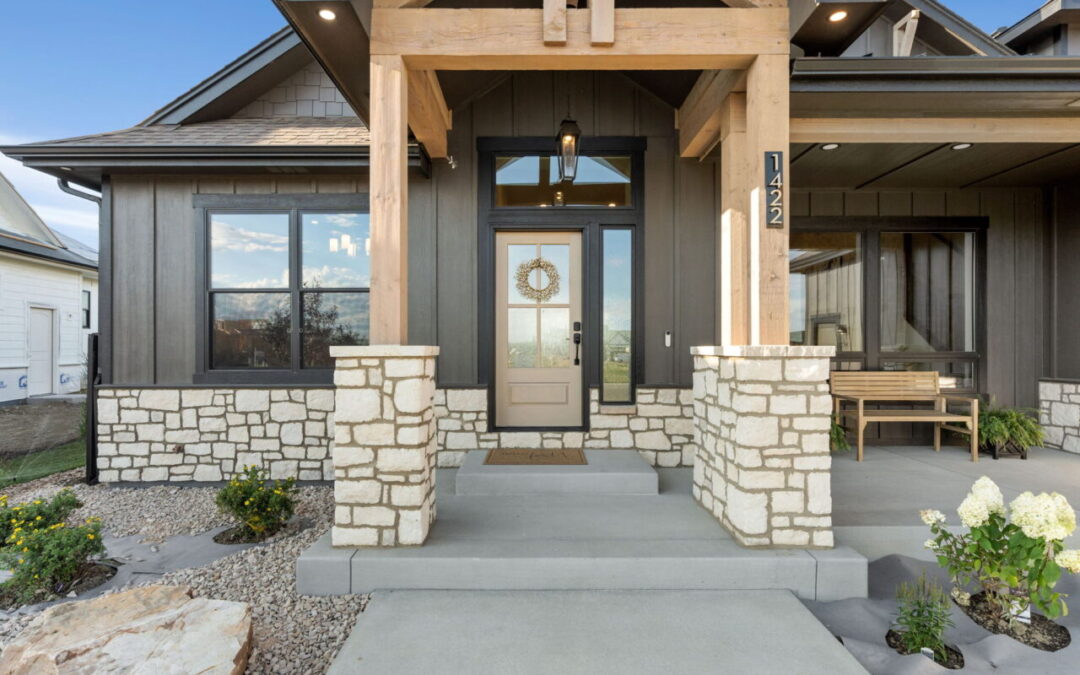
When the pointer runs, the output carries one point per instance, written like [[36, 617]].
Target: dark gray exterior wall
[[1066, 288]]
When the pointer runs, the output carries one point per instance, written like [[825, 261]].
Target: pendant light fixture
[[568, 142]]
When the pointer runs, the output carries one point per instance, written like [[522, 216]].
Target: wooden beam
[[904, 34], [733, 241], [429, 118], [400, 4], [935, 130], [554, 22], [649, 38], [602, 21], [389, 185], [767, 117], [700, 116], [756, 3]]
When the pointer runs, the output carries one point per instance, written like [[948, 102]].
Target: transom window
[[531, 181], [284, 286], [903, 299]]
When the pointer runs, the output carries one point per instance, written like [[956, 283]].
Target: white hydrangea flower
[[973, 511], [932, 516], [988, 491], [930, 544], [1069, 560], [1044, 516]]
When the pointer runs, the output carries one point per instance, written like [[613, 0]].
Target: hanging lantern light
[[568, 143]]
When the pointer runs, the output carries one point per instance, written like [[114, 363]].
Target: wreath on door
[[524, 283]]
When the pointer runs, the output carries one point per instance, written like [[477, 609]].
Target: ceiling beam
[[648, 39], [701, 115], [936, 130], [400, 4], [751, 4], [602, 21], [554, 22], [429, 118]]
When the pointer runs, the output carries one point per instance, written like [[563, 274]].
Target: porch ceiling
[[932, 165]]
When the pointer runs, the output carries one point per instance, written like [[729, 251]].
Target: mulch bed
[[89, 577], [238, 534], [1042, 633], [954, 660]]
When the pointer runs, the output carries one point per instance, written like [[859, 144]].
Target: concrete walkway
[[594, 632]]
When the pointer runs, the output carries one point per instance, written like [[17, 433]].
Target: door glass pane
[[516, 256], [332, 319], [533, 181], [927, 292], [559, 257], [555, 344], [826, 290], [618, 315], [249, 250], [521, 337], [251, 330], [336, 250]]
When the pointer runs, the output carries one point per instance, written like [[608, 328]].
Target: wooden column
[[733, 254], [389, 200], [767, 131]]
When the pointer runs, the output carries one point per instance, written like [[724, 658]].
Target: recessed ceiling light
[[961, 146], [327, 14], [837, 17], [830, 146]]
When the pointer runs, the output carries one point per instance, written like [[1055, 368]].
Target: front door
[[538, 329], [40, 373]]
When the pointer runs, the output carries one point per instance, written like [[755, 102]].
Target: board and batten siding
[[1066, 290], [679, 228], [1018, 336]]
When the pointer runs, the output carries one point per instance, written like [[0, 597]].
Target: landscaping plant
[[262, 507], [923, 616], [838, 437], [1016, 561], [44, 554], [1009, 429]]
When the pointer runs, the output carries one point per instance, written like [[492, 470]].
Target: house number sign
[[775, 209]]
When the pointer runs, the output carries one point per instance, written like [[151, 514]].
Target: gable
[[309, 92]]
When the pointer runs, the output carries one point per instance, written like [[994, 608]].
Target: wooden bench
[[861, 387]]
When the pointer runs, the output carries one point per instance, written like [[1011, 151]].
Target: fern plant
[[838, 437], [923, 616], [1002, 428]]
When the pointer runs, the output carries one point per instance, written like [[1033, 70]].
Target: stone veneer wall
[[1059, 414], [762, 419], [384, 445], [659, 426], [208, 434]]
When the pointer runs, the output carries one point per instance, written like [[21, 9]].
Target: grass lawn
[[45, 463]]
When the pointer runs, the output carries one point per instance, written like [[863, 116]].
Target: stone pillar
[[761, 429], [384, 445]]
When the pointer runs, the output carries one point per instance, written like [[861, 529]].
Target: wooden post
[[389, 200], [554, 22], [733, 255], [602, 21], [767, 141]]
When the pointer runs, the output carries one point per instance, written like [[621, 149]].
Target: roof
[[237, 132], [1040, 22], [22, 231], [13, 242]]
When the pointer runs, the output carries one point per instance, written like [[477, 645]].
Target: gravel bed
[[293, 633]]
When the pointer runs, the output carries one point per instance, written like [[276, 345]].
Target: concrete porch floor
[[579, 541]]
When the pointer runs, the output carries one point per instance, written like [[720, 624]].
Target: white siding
[[23, 284]]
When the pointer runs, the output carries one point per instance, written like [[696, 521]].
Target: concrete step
[[608, 472], [594, 633]]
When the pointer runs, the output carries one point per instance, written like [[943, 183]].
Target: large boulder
[[150, 629]]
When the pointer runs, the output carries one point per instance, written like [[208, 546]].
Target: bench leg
[[937, 436], [862, 428], [974, 427]]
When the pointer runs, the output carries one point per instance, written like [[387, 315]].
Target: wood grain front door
[[537, 321]]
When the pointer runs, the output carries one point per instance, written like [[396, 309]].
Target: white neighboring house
[[48, 303]]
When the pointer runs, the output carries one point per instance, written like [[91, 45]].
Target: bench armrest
[[972, 401]]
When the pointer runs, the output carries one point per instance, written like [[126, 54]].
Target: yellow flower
[[25, 550], [38, 518], [89, 536]]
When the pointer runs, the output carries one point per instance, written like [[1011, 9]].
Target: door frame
[[587, 220], [54, 348]]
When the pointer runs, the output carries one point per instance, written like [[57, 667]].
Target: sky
[[88, 66]]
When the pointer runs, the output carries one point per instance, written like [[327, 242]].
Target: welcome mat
[[512, 456]]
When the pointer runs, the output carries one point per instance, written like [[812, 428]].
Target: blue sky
[[86, 66]]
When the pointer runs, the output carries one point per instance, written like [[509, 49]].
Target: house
[[48, 304], [385, 237]]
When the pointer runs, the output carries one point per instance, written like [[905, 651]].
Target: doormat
[[511, 456]]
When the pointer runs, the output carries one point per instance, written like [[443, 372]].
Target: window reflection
[[618, 315], [249, 250], [332, 319], [826, 290], [927, 292], [250, 330], [337, 250], [533, 181]]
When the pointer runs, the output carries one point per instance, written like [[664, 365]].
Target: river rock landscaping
[[292, 633]]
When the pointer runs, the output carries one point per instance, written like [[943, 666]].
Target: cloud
[[232, 238], [75, 217]]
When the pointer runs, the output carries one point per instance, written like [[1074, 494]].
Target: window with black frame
[[86, 302], [284, 286], [923, 290]]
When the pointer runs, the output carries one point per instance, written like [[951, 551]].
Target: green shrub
[[1004, 427], [923, 616], [37, 514], [262, 507], [45, 560], [838, 438]]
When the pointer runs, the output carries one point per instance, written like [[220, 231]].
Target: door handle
[[577, 345]]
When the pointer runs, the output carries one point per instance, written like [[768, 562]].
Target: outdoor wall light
[[568, 140], [961, 146], [327, 14], [829, 147], [837, 17]]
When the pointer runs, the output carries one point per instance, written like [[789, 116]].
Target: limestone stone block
[[652, 440], [320, 399], [404, 367], [374, 516], [768, 370], [195, 398], [159, 399], [350, 378], [252, 400], [413, 524], [519, 440], [791, 537], [354, 536], [207, 472], [788, 501], [806, 370], [413, 395], [787, 405], [134, 416], [108, 411], [374, 434], [819, 493], [150, 432], [747, 511], [357, 405], [288, 411], [1061, 414], [757, 432], [400, 459], [212, 424]]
